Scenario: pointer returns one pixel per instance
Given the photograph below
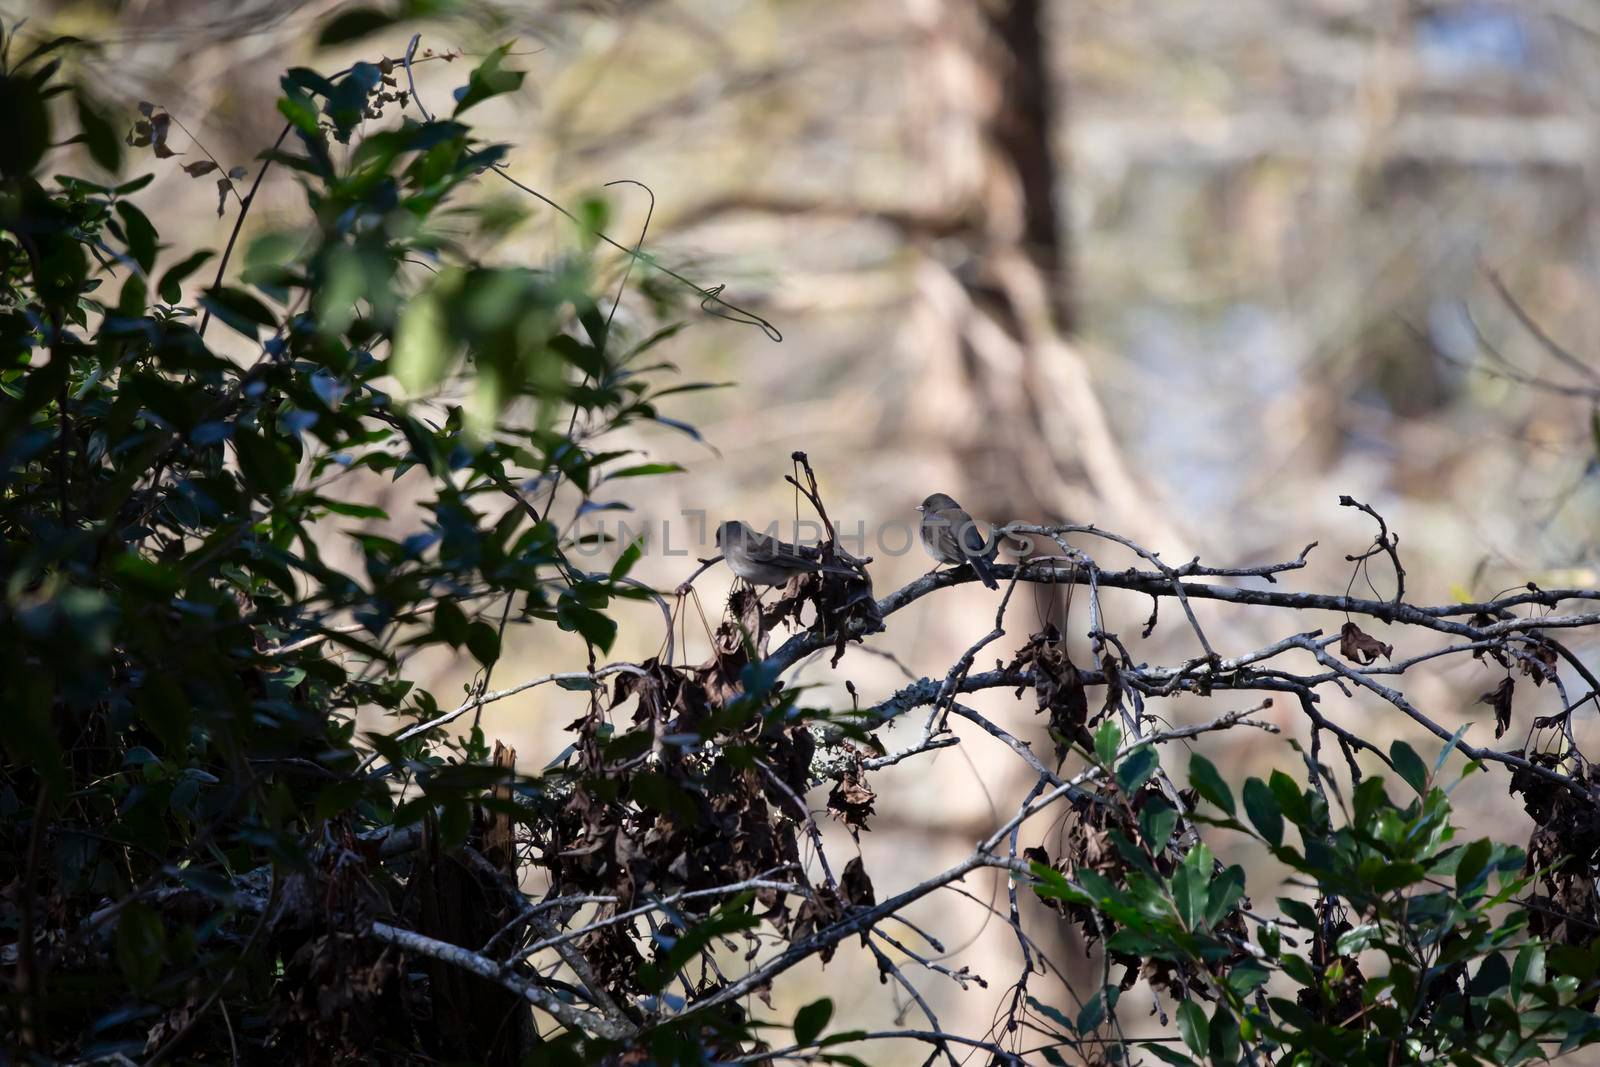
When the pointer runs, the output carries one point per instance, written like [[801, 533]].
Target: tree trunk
[[1001, 386]]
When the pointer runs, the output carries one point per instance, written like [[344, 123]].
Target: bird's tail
[[985, 570]]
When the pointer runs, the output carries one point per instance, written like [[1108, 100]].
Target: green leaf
[[1297, 968], [1189, 891], [811, 1020], [27, 123], [1529, 967], [1473, 869], [1166, 1055], [267, 468], [1391, 876], [141, 235], [626, 560], [842, 1037], [300, 110], [338, 797], [239, 310], [1225, 891], [1409, 766], [1270, 938], [1291, 799], [1493, 976], [1053, 885], [645, 469], [1055, 1015], [1194, 1027], [1094, 1012], [99, 136], [352, 25], [483, 641], [170, 287], [1156, 822], [1369, 797], [1137, 768], [489, 80], [149, 575], [423, 351], [1444, 753], [594, 627], [353, 511], [1107, 740], [1224, 1035], [141, 941], [1205, 780], [1356, 940], [1245, 976], [658, 793], [1299, 912], [1262, 807]]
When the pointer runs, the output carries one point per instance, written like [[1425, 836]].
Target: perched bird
[[763, 560], [952, 536]]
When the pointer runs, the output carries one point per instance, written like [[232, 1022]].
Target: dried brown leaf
[[160, 124], [854, 885], [1499, 698], [851, 802], [1539, 663], [1360, 647]]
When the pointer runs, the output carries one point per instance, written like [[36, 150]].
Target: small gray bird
[[763, 560], [952, 536]]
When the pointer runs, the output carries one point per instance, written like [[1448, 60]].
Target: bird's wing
[[958, 536], [772, 550], [976, 539]]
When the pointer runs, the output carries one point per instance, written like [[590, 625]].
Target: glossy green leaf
[[489, 80], [1193, 1027], [1205, 780], [1107, 740], [99, 134], [1136, 768], [1409, 765], [811, 1020], [1262, 808]]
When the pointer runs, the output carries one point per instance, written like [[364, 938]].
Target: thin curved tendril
[[711, 300]]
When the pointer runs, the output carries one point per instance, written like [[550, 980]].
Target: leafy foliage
[[186, 809], [1406, 951]]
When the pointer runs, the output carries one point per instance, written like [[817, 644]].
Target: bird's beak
[[919, 507]]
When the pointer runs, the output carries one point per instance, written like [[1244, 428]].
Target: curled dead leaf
[[1360, 647], [850, 801], [1499, 698], [160, 123], [1058, 687], [1539, 663], [854, 885]]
